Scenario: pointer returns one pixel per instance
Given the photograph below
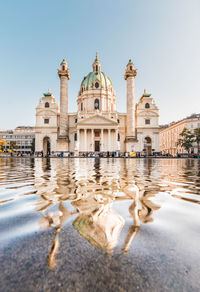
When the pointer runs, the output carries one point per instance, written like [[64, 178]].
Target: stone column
[[102, 148], [129, 76], [85, 140], [130, 106], [63, 105], [92, 139], [64, 75], [109, 147], [78, 138], [116, 140]]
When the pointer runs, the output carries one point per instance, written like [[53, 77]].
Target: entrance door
[[97, 146], [148, 146], [46, 146]]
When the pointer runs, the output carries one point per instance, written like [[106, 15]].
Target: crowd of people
[[101, 154]]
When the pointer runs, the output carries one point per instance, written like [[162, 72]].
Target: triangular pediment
[[97, 120]]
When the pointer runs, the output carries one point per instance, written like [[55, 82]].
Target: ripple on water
[[108, 201]]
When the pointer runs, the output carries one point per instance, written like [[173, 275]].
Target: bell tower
[[129, 76], [64, 76]]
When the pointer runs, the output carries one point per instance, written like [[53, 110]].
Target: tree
[[186, 140], [13, 145], [197, 138], [3, 143]]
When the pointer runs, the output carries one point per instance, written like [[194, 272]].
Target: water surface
[[89, 224]]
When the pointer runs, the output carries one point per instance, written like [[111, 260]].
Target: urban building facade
[[170, 135], [20, 139], [97, 126]]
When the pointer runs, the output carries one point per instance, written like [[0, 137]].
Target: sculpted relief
[[143, 113], [96, 120]]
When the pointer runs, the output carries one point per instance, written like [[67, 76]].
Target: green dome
[[89, 80]]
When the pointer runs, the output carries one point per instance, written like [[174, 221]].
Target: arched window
[[96, 103], [147, 140], [96, 68], [131, 68], [147, 105], [63, 67], [46, 104], [81, 106], [75, 137], [97, 85], [118, 137]]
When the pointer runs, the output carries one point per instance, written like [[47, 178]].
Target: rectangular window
[[147, 122], [46, 121]]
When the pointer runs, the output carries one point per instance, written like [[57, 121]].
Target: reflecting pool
[[90, 224]]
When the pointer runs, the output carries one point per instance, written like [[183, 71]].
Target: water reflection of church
[[88, 190], [97, 126]]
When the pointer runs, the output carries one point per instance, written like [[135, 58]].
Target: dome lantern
[[96, 65]]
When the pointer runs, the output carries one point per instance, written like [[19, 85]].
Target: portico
[[96, 139], [97, 134]]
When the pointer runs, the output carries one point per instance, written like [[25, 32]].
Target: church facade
[[97, 126]]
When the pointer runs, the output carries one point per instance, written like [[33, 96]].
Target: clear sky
[[162, 38]]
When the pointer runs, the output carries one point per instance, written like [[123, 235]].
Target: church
[[97, 127]]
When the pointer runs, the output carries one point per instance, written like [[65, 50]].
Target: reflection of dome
[[100, 77], [100, 228]]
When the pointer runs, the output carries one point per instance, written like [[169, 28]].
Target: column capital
[[130, 71], [64, 70], [65, 73]]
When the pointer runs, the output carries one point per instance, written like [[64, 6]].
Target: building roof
[[189, 118], [63, 62], [47, 94], [130, 62], [88, 81], [145, 94]]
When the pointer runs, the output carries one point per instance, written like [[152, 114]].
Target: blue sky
[[162, 38]]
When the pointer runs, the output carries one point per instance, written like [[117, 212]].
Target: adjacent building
[[97, 126], [170, 135], [21, 138]]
